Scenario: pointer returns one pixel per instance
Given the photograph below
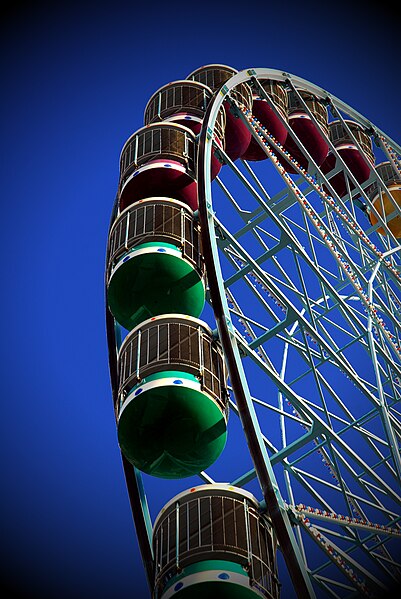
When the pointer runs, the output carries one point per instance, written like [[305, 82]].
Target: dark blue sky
[[75, 82]]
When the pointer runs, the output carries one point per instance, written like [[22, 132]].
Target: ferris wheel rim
[[204, 180]]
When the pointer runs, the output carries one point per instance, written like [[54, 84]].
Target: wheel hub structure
[[303, 275]]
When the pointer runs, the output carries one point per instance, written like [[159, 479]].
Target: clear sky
[[75, 82]]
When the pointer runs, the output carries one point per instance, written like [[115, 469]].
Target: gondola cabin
[[273, 118], [155, 262], [313, 137], [387, 202], [159, 160], [173, 401], [359, 163], [213, 541], [237, 134]]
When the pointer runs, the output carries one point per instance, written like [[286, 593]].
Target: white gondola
[[213, 541]]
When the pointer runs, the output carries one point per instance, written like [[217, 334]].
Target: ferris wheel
[[280, 206]]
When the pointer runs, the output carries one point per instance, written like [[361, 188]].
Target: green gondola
[[152, 279], [168, 427]]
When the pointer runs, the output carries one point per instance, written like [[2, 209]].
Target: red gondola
[[347, 149], [159, 160], [262, 110], [237, 134], [309, 134]]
